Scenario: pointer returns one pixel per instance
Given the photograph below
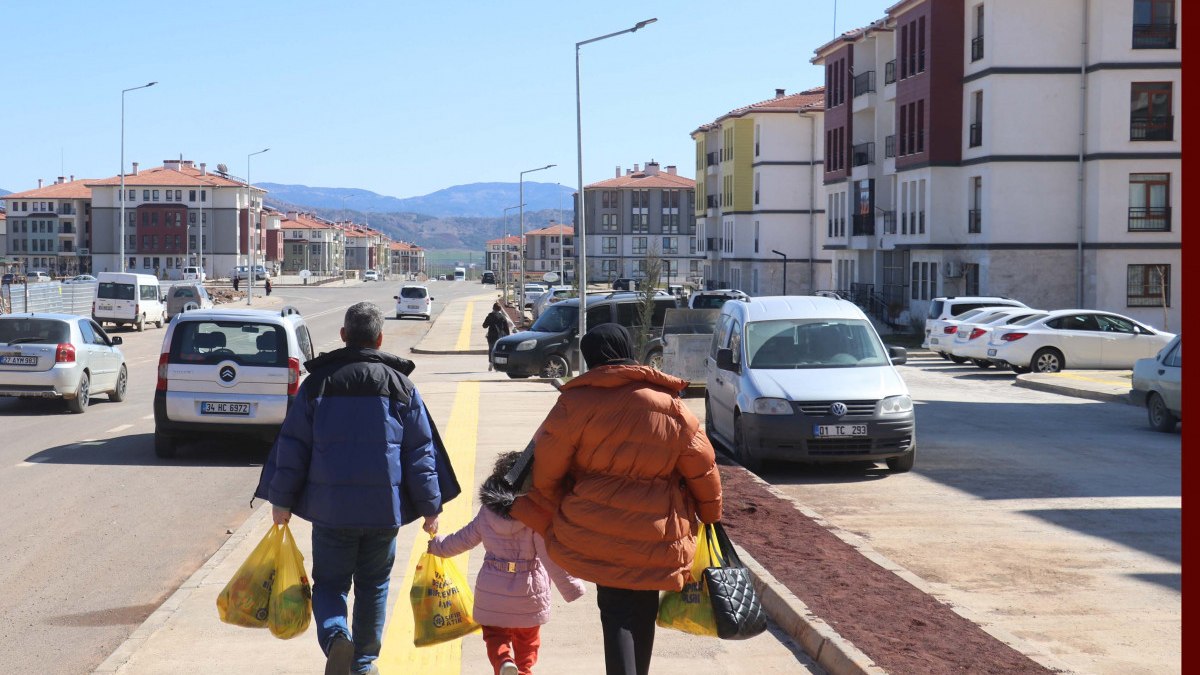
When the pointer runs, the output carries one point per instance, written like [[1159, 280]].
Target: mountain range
[[478, 200]]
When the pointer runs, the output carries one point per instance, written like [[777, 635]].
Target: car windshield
[[813, 343], [111, 290], [33, 331], [413, 293], [246, 343], [556, 319]]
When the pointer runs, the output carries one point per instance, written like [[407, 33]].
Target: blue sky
[[399, 97]]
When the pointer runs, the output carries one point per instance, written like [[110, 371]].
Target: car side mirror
[[725, 361], [116, 340], [898, 355], [395, 297], [431, 299]]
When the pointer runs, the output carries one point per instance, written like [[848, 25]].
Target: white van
[[806, 378], [125, 298]]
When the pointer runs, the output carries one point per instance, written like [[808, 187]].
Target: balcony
[[1150, 219], [711, 201], [864, 83], [889, 146], [66, 229], [1152, 128], [889, 222], [864, 225], [976, 135], [977, 48], [711, 159], [1154, 36], [974, 221], [889, 72], [862, 154]]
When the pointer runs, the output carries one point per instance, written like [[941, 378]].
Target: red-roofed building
[[494, 257], [406, 258], [311, 243], [550, 249], [50, 228]]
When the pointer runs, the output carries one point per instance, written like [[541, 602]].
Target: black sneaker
[[340, 656]]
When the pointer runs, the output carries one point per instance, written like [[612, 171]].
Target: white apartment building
[[550, 249], [49, 228], [495, 257], [759, 213], [1013, 162], [311, 243]]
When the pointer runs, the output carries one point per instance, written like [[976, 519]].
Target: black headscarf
[[607, 344]]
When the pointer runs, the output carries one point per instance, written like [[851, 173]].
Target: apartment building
[[494, 256], [311, 243], [758, 209], [550, 249], [1015, 161], [50, 228], [643, 213], [406, 258], [6, 262], [177, 214]]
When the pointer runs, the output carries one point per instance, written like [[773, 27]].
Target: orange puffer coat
[[621, 472]]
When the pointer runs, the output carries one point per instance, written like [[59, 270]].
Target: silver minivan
[[806, 378]]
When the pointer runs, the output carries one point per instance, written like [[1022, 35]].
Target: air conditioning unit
[[952, 269]]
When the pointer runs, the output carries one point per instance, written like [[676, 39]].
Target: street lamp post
[[521, 201], [580, 216], [252, 245], [504, 249], [784, 270], [121, 197]]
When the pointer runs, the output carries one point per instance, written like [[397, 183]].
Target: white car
[[939, 333], [552, 295], [532, 293], [714, 299], [1158, 385], [371, 275], [80, 279], [1074, 338], [60, 356], [194, 274], [949, 306], [414, 300], [971, 337]]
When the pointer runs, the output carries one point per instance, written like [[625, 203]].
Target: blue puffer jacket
[[356, 448]]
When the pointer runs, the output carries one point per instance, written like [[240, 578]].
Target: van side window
[[735, 341], [629, 314], [660, 311], [149, 293], [720, 334], [598, 315], [305, 343]]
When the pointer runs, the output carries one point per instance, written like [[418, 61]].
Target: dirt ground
[[901, 628]]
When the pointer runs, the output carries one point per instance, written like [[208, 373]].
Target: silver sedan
[[60, 356]]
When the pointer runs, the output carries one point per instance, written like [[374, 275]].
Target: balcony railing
[[1154, 36], [711, 159], [977, 48], [1152, 128], [864, 225], [889, 222], [864, 83], [711, 201], [1150, 219], [889, 72], [976, 135], [862, 154], [974, 221], [889, 146]]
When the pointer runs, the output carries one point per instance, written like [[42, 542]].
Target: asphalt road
[[97, 530]]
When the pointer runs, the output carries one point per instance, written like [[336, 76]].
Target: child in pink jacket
[[512, 591]]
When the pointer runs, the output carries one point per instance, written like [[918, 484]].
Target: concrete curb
[[1029, 382], [448, 352], [159, 618]]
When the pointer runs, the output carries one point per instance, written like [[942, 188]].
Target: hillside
[[476, 200]]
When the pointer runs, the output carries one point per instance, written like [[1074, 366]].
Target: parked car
[[414, 300], [950, 306], [550, 347], [60, 356], [371, 275], [549, 297], [194, 274], [626, 284], [37, 276], [231, 372], [488, 277], [806, 378], [532, 293], [261, 273], [1157, 384], [940, 333], [715, 298], [1074, 338], [187, 297], [10, 278], [80, 279], [971, 337], [126, 298]]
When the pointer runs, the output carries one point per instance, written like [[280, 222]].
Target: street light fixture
[[504, 249], [521, 201], [121, 197], [579, 205], [251, 268], [784, 270]]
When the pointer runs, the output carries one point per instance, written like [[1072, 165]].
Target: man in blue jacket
[[358, 457]]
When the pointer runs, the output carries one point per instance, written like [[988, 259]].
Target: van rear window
[[246, 343], [413, 293], [111, 290]]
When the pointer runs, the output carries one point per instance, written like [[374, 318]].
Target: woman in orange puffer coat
[[621, 473]]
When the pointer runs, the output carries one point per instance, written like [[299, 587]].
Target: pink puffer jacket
[[519, 598]]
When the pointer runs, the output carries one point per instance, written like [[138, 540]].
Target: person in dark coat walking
[[235, 280], [267, 283], [497, 325]]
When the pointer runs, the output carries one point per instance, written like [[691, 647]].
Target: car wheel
[[399, 316], [1047, 360], [118, 392], [902, 463], [944, 355], [1020, 370], [957, 359], [80, 402], [1160, 418], [555, 366], [516, 376], [164, 445], [982, 363], [141, 323], [161, 320], [744, 454], [426, 317], [655, 359]]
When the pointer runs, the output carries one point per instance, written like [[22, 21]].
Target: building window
[[757, 185], [608, 245], [757, 138], [976, 137], [1154, 24], [145, 195], [1148, 286], [977, 41], [670, 245], [132, 195], [1149, 202], [179, 195], [191, 195], [204, 195], [756, 236], [975, 214], [1150, 112], [639, 245], [170, 195], [154, 195]]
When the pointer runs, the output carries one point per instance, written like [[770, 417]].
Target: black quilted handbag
[[735, 603]]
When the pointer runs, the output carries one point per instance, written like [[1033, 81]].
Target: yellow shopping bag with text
[[290, 609], [441, 602], [245, 600], [690, 610]]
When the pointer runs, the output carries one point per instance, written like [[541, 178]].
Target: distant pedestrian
[[498, 325], [235, 281], [512, 590], [267, 283]]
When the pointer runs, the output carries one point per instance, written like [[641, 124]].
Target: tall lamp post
[[784, 269], [251, 244], [580, 216], [521, 201], [121, 197], [504, 248]]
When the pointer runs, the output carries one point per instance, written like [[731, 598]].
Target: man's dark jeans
[[343, 555]]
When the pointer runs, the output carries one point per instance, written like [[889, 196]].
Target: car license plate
[[224, 408], [107, 307], [832, 430], [991, 352], [18, 360], [500, 359], [933, 341], [414, 307]]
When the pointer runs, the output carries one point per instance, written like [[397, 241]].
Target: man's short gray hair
[[363, 324]]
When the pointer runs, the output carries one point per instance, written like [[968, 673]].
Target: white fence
[[51, 296]]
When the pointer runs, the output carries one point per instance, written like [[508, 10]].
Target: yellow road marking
[[464, 332], [1112, 381], [399, 655]]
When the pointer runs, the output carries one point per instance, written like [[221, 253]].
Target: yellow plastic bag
[[441, 602], [290, 609], [690, 610], [246, 598]]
